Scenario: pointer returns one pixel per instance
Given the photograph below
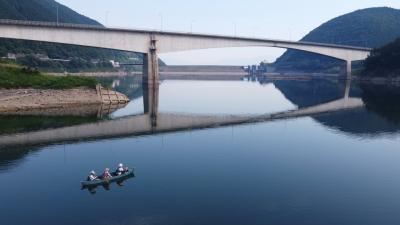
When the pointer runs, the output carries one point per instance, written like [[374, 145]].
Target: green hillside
[[46, 10], [13, 76], [372, 27], [41, 10]]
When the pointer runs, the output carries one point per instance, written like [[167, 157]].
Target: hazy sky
[[281, 19]]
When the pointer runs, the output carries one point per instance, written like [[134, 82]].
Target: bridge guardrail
[[101, 27]]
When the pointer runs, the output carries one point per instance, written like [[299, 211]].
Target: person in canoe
[[92, 176], [120, 169], [106, 174]]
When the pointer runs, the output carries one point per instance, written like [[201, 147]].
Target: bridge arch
[[139, 40], [152, 42]]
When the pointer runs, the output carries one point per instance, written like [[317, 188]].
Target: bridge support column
[[150, 102], [348, 69], [347, 89], [151, 82], [150, 63]]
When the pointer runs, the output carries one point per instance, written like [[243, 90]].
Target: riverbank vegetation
[[384, 61], [72, 65], [14, 76]]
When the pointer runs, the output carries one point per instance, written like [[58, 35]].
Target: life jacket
[[91, 177], [106, 175], [120, 170]]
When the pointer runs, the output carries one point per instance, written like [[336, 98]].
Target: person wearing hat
[[120, 169], [106, 174], [92, 176]]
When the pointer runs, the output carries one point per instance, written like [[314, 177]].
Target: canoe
[[114, 178]]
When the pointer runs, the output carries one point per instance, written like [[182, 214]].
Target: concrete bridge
[[150, 43]]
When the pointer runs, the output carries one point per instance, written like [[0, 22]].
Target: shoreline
[[97, 74], [128, 74], [379, 80], [100, 101], [234, 75], [76, 101]]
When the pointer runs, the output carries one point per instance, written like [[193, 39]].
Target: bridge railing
[[101, 27], [46, 23]]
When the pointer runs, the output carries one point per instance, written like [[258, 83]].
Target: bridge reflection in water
[[152, 121]]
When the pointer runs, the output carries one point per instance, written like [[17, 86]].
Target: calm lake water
[[341, 167]]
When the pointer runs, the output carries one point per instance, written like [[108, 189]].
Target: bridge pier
[[347, 89], [150, 102], [151, 82], [348, 69], [345, 70], [150, 63]]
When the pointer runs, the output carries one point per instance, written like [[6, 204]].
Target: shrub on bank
[[12, 76], [384, 61]]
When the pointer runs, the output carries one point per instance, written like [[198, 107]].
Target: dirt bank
[[67, 102]]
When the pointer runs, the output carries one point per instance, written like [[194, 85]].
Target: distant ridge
[[41, 10], [46, 10]]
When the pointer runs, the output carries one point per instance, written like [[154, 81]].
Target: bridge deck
[[102, 28]]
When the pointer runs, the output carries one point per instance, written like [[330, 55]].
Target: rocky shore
[[66, 102]]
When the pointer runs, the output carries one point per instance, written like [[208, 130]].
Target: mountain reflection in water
[[380, 116], [323, 99], [213, 152]]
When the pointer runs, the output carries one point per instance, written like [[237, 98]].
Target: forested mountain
[[384, 61], [372, 27], [41, 10], [46, 10]]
